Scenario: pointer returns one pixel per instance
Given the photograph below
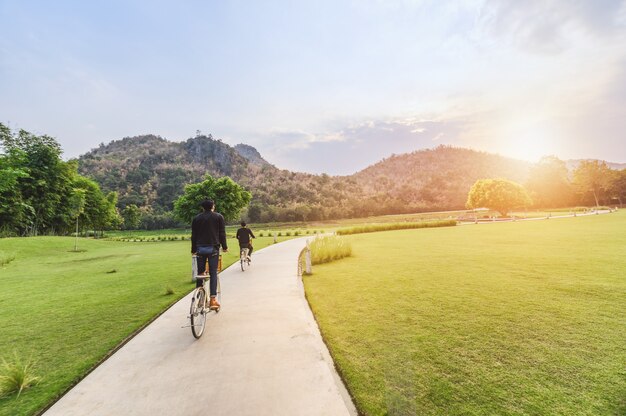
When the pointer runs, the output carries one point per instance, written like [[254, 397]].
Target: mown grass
[[506, 319], [371, 228], [67, 310]]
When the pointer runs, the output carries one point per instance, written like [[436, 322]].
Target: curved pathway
[[261, 355]]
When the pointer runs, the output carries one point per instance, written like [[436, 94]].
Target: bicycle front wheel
[[198, 312]]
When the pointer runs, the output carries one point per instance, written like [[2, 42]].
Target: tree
[[47, 184], [592, 176], [132, 217], [617, 186], [113, 219], [13, 210], [548, 183], [229, 197], [77, 207], [498, 194], [254, 212]]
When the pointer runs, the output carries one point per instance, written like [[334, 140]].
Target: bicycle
[[244, 259], [199, 309]]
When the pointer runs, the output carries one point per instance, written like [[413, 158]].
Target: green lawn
[[66, 310], [491, 319]]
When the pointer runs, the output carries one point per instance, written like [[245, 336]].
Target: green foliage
[[498, 194], [549, 185], [229, 197], [132, 217], [370, 228], [617, 187], [325, 249], [16, 376], [592, 176], [39, 191]]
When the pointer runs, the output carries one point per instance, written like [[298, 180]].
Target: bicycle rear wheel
[[243, 255], [198, 312]]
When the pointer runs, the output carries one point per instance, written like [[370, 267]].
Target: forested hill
[[151, 172], [439, 178]]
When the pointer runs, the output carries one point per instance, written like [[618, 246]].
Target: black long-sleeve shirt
[[243, 235], [208, 229]]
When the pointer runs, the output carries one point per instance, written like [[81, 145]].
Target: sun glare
[[530, 141]]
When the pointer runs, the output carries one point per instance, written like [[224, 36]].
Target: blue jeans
[[213, 255]]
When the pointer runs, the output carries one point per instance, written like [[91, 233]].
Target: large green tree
[[14, 211], [132, 217], [38, 188], [498, 194], [617, 186], [230, 198], [549, 185], [592, 176], [47, 184]]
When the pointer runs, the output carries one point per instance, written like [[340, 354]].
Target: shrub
[[370, 228], [288, 233], [260, 233], [329, 248], [279, 234], [169, 290], [16, 376]]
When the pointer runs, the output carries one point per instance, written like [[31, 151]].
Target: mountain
[[573, 164], [251, 154], [438, 178], [151, 172]]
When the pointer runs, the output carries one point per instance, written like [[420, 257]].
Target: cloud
[[550, 26]]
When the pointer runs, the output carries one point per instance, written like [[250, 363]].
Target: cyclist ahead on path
[[208, 232], [243, 235]]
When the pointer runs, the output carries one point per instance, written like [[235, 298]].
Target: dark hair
[[243, 223], [207, 204]]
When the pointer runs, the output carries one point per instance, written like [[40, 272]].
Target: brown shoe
[[213, 303]]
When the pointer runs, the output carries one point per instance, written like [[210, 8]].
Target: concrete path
[[261, 355]]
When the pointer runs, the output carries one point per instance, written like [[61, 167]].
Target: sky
[[322, 86]]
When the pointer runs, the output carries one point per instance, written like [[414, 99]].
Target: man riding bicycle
[[243, 235], [208, 232]]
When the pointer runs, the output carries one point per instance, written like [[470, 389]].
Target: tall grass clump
[[371, 228], [6, 258], [329, 248], [16, 376]]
